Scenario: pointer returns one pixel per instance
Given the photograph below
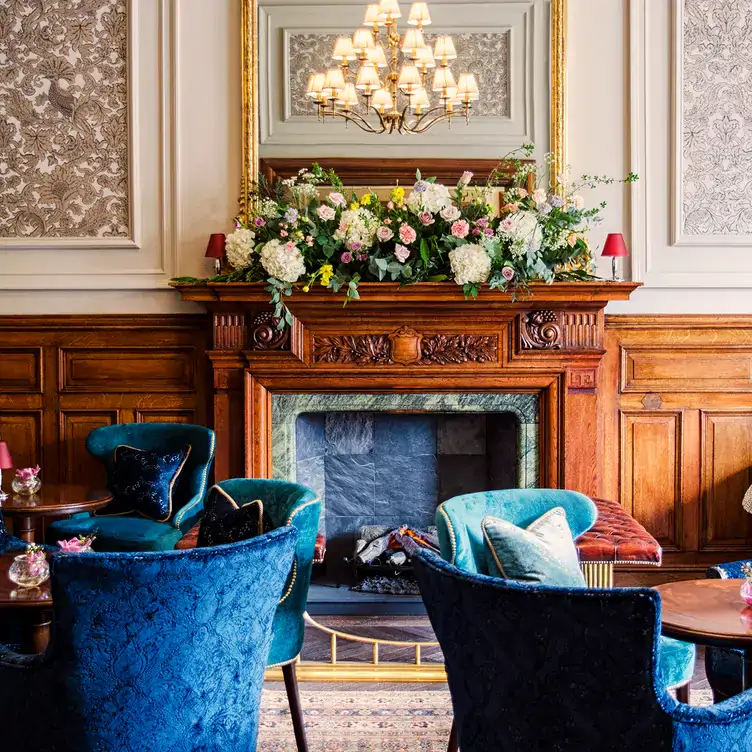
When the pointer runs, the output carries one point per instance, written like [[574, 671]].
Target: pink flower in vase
[[508, 273], [426, 218], [27, 473], [79, 545]]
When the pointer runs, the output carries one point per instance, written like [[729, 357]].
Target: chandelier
[[398, 95]]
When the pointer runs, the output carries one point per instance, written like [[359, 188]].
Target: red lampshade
[[615, 246], [216, 247], [6, 461]]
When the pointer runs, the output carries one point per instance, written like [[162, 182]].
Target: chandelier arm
[[360, 121], [422, 124]]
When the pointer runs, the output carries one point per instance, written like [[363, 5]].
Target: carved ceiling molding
[[559, 330], [406, 346]]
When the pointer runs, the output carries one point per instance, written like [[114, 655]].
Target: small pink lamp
[[216, 250], [615, 248], [6, 463]]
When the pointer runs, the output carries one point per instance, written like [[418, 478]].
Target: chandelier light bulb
[[443, 80], [419, 15], [368, 79], [343, 50], [413, 42], [316, 85], [382, 101], [377, 57], [349, 97], [419, 101], [389, 10], [467, 88], [409, 79], [372, 16], [362, 41], [445, 50], [425, 59]]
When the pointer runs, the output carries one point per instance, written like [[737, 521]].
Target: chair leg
[[293, 697], [682, 693], [454, 744]]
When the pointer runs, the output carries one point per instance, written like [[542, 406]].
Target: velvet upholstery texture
[[543, 552], [152, 651], [585, 679], [459, 519], [297, 506], [9, 543], [725, 666], [133, 533], [224, 521]]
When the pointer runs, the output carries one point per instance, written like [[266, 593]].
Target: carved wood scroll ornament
[[406, 347], [541, 330], [265, 335]]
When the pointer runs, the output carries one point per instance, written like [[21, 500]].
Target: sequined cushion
[[543, 553], [225, 522], [142, 482]]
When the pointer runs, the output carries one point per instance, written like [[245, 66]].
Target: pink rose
[[450, 213], [488, 231], [401, 253], [508, 273], [507, 225], [572, 240], [482, 222], [337, 199], [466, 178], [510, 207], [460, 229], [283, 233], [361, 256], [384, 234], [390, 204], [387, 221], [326, 212], [289, 245], [346, 257], [259, 221], [426, 218], [522, 193], [407, 234]]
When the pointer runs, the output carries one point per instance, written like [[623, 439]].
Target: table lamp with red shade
[[6, 463], [216, 250], [615, 248]]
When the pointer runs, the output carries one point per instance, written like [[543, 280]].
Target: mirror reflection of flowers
[[307, 231]]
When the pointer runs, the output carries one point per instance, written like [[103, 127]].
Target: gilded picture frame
[[250, 84]]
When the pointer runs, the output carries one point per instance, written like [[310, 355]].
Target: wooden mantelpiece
[[423, 337]]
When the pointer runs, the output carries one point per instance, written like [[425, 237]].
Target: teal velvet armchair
[[132, 532], [150, 651], [297, 506], [461, 541]]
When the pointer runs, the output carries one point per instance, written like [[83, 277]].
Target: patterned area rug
[[369, 721]]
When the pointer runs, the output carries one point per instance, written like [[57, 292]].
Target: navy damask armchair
[[150, 651], [564, 670]]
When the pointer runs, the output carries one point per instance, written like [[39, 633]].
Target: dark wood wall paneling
[[63, 376], [678, 428]]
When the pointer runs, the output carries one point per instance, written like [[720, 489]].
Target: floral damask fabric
[[63, 119], [717, 114]]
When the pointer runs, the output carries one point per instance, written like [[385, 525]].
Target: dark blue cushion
[[142, 481], [225, 521]]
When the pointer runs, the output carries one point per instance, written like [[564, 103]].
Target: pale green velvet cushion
[[543, 553]]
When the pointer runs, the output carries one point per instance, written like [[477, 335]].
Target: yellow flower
[[365, 200], [307, 288], [398, 194], [354, 206], [327, 272]]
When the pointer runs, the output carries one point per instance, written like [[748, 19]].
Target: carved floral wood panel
[[63, 119]]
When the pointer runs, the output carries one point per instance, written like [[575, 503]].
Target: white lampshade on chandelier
[[403, 84]]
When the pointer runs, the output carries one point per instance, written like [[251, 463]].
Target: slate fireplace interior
[[390, 459]]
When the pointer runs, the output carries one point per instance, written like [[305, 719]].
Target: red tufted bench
[[616, 538]]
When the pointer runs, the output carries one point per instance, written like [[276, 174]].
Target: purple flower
[[488, 231], [476, 231], [291, 216], [346, 257], [420, 186], [508, 273], [361, 256], [259, 222], [355, 246], [482, 222], [557, 202]]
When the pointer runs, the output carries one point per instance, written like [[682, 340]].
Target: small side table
[[51, 501], [711, 613]]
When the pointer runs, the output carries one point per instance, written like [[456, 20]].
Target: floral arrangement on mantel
[[299, 235]]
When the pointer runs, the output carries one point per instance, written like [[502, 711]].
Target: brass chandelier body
[[397, 95]]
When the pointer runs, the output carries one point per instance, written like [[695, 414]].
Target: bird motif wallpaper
[[63, 119]]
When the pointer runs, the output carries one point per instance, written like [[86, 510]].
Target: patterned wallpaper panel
[[717, 116], [63, 119], [485, 54]]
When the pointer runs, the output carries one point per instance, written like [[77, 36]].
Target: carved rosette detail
[[541, 330], [407, 347], [265, 335]]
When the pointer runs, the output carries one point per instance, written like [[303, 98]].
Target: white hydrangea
[[430, 197], [239, 247], [470, 264], [357, 229], [283, 261], [525, 232]]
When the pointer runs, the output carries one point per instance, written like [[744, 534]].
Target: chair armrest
[[13, 660], [190, 514], [733, 716], [731, 570], [190, 539]]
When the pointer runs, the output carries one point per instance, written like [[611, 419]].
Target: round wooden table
[[709, 612], [33, 605], [51, 501]]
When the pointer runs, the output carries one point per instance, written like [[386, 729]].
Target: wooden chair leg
[[682, 693], [454, 744], [293, 697]]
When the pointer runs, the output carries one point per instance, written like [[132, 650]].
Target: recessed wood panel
[[165, 416], [20, 370], [726, 476], [145, 370], [651, 472], [76, 464], [677, 369], [22, 431]]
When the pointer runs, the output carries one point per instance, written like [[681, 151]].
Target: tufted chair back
[[189, 491], [459, 519]]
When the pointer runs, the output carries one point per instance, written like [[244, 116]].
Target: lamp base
[[614, 276]]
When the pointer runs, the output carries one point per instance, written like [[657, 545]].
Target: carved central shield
[[406, 347]]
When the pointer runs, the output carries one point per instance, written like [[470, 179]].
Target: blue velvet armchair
[[151, 651], [9, 543], [132, 532], [298, 506], [461, 540], [557, 669]]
